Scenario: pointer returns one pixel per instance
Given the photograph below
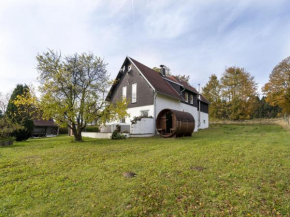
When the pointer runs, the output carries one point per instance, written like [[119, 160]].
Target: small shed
[[44, 128], [173, 123]]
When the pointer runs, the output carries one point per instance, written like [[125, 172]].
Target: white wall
[[144, 126], [110, 127], [163, 102], [97, 135], [204, 121], [135, 112]]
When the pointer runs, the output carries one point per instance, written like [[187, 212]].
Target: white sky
[[196, 38]]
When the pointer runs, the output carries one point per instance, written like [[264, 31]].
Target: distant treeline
[[234, 96]]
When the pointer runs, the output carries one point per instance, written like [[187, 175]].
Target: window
[[204, 121], [124, 92], [122, 120], [144, 113], [134, 93], [191, 99], [186, 97]]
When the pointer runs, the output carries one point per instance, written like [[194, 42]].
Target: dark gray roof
[[156, 80], [44, 123]]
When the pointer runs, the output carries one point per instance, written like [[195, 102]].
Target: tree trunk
[[77, 132], [78, 137]]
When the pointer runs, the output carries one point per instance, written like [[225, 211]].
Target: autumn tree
[[277, 89], [239, 92], [184, 78], [212, 91], [73, 91], [157, 69], [20, 114]]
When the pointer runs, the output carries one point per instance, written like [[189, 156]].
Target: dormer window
[[186, 97], [191, 99]]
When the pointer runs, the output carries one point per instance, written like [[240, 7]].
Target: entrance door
[[168, 121]]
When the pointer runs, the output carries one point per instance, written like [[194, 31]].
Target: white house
[[149, 92]]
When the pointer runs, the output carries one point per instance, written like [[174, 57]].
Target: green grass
[[225, 170]]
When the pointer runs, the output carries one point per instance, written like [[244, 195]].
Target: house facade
[[149, 92]]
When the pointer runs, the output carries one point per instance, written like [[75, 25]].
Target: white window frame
[[134, 93], [124, 92], [191, 99], [186, 97]]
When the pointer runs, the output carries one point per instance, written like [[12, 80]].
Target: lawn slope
[[225, 170]]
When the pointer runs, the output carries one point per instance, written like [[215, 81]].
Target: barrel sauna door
[[168, 121]]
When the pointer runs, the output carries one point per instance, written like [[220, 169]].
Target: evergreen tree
[[14, 114], [265, 110]]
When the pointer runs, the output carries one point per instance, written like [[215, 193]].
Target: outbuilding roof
[[44, 123]]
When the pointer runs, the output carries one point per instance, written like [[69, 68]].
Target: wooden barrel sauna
[[173, 123]]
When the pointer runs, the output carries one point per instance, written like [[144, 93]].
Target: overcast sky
[[196, 38]]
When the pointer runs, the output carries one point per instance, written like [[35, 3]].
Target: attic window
[[124, 92], [191, 99], [186, 97]]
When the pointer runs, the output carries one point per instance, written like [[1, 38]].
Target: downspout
[[182, 91], [154, 122], [199, 106]]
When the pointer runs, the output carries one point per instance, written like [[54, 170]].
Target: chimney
[[199, 91], [162, 70]]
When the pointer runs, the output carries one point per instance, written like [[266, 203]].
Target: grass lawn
[[225, 170]]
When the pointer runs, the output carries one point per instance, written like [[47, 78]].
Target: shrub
[[26, 132], [63, 130], [92, 129], [6, 129], [117, 135]]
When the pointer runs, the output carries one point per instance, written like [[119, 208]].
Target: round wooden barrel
[[173, 123]]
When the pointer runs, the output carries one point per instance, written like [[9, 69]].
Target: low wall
[[109, 128], [144, 126], [96, 135]]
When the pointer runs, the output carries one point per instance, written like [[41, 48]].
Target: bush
[[26, 132], [92, 129], [117, 135], [6, 129], [63, 130]]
